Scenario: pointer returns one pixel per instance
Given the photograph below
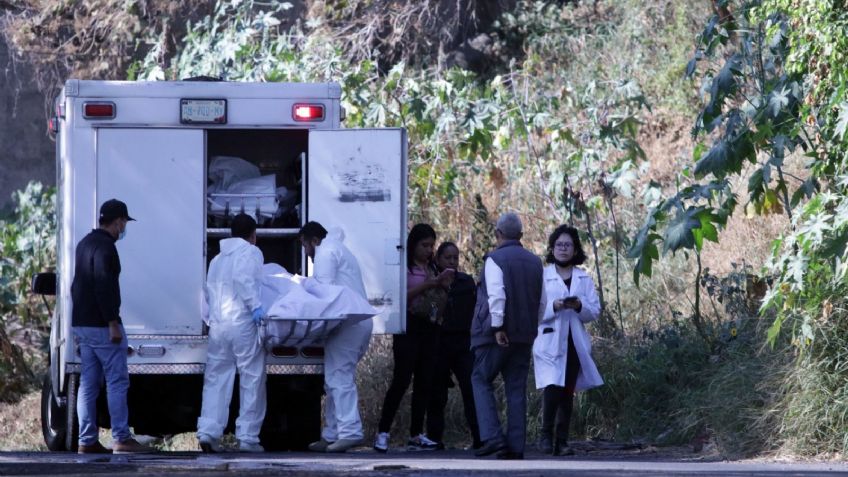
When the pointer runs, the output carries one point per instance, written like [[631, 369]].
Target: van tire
[[72, 425], [53, 417]]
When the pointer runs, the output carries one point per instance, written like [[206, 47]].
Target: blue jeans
[[102, 359], [513, 363]]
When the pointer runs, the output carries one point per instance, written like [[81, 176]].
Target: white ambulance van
[[186, 156]]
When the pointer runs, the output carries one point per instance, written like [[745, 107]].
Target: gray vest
[[523, 282]]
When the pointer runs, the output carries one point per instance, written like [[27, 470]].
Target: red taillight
[[53, 124], [98, 110], [308, 112]]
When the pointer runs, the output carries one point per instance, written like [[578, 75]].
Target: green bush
[[670, 388], [27, 246]]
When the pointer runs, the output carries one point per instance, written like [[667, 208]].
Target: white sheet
[[301, 311]]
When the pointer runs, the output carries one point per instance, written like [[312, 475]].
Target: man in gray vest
[[510, 303]]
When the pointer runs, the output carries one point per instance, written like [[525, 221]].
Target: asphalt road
[[448, 464]]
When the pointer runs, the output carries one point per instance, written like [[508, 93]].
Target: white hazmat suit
[[232, 286], [334, 264]]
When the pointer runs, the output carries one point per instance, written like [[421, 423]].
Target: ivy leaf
[[842, 120], [724, 84], [648, 254], [706, 231], [714, 161], [690, 68], [726, 157], [796, 267], [756, 182], [644, 248], [774, 330], [693, 63], [807, 189], [623, 178], [679, 234], [777, 101]]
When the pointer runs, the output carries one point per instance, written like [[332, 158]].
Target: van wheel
[[53, 417], [72, 425]]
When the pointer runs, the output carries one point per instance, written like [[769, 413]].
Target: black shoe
[[509, 455], [546, 445], [490, 447], [562, 449]]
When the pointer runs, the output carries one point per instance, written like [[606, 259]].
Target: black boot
[[561, 448], [546, 445]]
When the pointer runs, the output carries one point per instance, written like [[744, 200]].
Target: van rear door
[[159, 173], [357, 181]]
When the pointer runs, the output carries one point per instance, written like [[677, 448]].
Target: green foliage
[[767, 94], [815, 400], [690, 216], [547, 133], [669, 387], [27, 246]]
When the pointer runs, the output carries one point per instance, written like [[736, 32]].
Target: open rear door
[[159, 174], [357, 181]]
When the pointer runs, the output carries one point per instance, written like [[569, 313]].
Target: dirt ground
[[20, 430]]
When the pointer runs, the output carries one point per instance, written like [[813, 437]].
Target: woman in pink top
[[415, 352]]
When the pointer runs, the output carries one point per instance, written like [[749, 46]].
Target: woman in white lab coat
[[562, 351]]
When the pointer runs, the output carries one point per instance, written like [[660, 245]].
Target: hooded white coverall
[[232, 287], [334, 264]]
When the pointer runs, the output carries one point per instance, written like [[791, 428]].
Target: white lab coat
[[334, 264], [232, 288], [550, 350]]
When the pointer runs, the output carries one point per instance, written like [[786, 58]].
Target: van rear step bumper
[[199, 368]]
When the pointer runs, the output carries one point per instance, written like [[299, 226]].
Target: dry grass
[[20, 424]]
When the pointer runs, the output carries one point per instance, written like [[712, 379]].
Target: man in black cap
[[99, 333]]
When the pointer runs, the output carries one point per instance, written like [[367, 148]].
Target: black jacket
[[459, 311], [95, 291]]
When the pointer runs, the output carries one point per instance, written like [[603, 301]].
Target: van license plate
[[203, 111]]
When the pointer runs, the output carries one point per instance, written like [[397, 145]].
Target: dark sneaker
[[96, 448], [131, 446], [546, 445], [490, 447], [562, 449], [421, 443]]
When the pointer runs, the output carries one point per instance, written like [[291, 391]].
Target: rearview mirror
[[44, 283]]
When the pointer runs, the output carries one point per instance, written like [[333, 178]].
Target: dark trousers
[[455, 357], [558, 401], [414, 355], [513, 363]]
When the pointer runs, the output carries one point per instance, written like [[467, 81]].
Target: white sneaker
[[382, 442], [245, 447], [344, 445], [421, 443]]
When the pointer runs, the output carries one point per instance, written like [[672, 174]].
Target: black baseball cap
[[114, 209]]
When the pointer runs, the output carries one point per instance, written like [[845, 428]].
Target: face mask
[[122, 234]]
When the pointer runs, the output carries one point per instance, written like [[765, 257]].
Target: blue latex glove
[[258, 314]]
